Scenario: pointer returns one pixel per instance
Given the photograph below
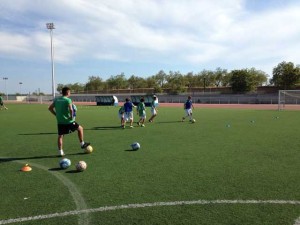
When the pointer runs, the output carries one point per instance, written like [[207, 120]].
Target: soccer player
[[153, 108], [188, 106], [128, 114], [121, 115], [141, 111], [74, 111], [2, 103], [62, 109]]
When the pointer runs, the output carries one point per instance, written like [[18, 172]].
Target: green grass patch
[[227, 154]]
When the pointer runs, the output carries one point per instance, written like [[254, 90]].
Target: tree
[[117, 82], [95, 83], [240, 81], [161, 78], [285, 75], [246, 80], [219, 77], [176, 82], [259, 76], [136, 82]]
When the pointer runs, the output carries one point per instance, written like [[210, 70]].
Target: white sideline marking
[[155, 204], [76, 195]]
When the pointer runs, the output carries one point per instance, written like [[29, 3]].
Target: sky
[[141, 37]]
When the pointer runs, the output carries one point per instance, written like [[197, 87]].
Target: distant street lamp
[[20, 87], [5, 79], [50, 26]]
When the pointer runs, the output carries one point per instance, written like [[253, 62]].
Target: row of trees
[[285, 75]]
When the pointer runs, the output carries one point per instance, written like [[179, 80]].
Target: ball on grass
[[135, 146], [65, 163], [89, 149], [81, 166]]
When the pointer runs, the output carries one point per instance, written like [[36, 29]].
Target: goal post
[[288, 97]]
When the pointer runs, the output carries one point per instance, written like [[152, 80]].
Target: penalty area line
[[154, 204]]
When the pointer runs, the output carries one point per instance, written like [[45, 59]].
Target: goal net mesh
[[288, 97]]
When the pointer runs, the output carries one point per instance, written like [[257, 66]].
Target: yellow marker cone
[[26, 168]]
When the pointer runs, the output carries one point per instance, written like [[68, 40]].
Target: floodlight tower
[[5, 79], [50, 26], [20, 87]]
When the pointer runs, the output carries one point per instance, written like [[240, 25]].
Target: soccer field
[[232, 167]]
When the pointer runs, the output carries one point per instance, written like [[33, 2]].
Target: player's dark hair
[[65, 90], [127, 99], [142, 100]]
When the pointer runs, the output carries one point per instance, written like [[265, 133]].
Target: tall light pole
[[5, 79], [20, 87], [50, 26]]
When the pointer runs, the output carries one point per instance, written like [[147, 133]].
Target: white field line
[[76, 195], [155, 204]]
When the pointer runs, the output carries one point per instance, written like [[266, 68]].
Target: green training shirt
[[141, 108], [62, 110], [1, 99]]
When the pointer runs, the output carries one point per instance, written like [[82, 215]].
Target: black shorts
[[67, 128], [1, 103]]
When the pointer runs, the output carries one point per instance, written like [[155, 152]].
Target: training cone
[[26, 168]]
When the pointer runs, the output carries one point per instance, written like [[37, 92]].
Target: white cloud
[[187, 31]]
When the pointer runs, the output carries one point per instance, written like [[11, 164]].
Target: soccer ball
[[81, 166], [88, 149], [65, 163], [135, 146], [193, 121]]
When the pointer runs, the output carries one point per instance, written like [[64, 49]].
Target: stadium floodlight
[[20, 83], [50, 26], [5, 79]]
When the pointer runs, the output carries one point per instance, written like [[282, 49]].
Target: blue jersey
[[74, 110], [128, 107], [188, 104]]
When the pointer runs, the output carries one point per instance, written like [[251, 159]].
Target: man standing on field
[[62, 109], [188, 106], [2, 103]]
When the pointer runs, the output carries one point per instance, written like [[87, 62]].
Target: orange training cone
[[26, 168]]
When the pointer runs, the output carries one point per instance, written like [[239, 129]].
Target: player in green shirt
[[141, 111], [2, 103], [62, 109], [121, 115]]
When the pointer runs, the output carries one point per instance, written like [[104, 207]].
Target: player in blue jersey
[[128, 114], [188, 107], [74, 111]]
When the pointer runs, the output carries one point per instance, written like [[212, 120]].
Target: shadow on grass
[[178, 121], [105, 128], [38, 133], [130, 150], [9, 159], [73, 171], [55, 169]]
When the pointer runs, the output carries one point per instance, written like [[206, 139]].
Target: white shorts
[[153, 111], [188, 112], [128, 116]]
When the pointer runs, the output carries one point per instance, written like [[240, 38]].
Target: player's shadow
[[10, 159], [177, 121], [39, 133], [106, 128]]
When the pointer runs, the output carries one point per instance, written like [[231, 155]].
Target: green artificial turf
[[228, 154]]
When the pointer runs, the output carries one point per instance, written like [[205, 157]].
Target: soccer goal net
[[288, 97]]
